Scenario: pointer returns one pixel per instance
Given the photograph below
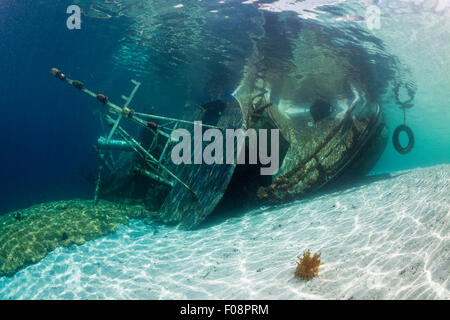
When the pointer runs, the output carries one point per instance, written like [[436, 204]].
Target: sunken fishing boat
[[328, 117]]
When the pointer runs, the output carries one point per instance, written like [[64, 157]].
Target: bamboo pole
[[152, 116], [135, 117], [149, 158], [121, 110]]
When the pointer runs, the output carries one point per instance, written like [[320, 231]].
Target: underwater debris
[[307, 266]]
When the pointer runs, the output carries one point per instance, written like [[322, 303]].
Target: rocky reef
[[27, 236]]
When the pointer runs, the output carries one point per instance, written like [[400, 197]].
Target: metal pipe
[[103, 143]]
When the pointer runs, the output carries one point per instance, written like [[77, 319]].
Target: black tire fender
[[396, 139]]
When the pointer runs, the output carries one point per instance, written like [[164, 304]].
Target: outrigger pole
[[128, 143]]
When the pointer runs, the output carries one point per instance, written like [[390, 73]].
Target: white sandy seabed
[[387, 239]]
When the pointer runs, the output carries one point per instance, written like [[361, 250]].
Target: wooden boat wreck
[[321, 139]]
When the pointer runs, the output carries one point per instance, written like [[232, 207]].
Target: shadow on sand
[[225, 211]]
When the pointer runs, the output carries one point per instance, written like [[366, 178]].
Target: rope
[[407, 104], [411, 90], [404, 116], [152, 116]]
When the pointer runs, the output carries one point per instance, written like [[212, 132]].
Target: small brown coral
[[307, 266]]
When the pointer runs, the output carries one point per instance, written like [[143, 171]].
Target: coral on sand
[[29, 235], [307, 266]]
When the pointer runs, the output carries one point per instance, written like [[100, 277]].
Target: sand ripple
[[385, 240]]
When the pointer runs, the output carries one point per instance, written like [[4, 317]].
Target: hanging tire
[[396, 139]]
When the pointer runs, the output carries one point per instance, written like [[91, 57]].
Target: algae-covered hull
[[317, 150]]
